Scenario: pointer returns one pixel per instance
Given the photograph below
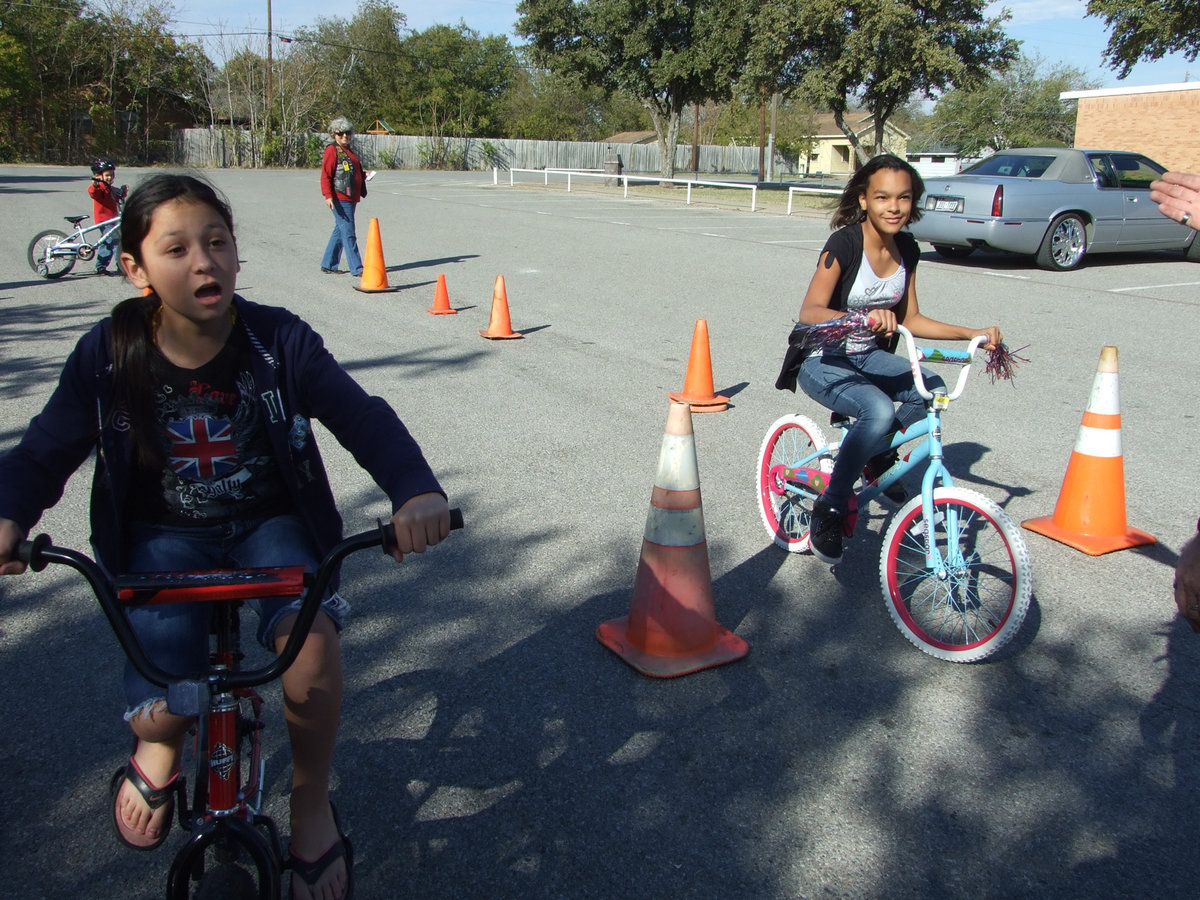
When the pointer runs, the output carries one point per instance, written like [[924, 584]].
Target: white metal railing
[[792, 191], [625, 179]]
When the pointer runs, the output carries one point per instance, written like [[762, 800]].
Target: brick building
[[1161, 120]]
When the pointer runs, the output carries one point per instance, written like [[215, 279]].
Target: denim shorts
[[175, 636]]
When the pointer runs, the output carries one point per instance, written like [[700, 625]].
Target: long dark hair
[[849, 212], [133, 319]]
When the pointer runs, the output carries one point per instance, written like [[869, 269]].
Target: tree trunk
[[860, 153], [667, 131]]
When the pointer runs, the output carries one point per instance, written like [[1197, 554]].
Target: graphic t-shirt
[[218, 461], [869, 292]]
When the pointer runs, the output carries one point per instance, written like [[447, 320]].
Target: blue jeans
[[104, 253], [343, 237], [865, 386], [175, 636]]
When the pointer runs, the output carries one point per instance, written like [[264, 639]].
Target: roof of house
[[631, 137], [824, 125]]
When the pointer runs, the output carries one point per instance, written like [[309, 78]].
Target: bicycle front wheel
[[43, 262], [977, 602], [787, 509]]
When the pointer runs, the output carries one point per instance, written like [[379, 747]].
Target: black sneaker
[[876, 466], [328, 271], [825, 533]]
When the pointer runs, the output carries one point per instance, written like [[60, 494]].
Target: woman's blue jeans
[[175, 636], [865, 386], [343, 238]]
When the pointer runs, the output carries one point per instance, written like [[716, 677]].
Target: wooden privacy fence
[[233, 148]]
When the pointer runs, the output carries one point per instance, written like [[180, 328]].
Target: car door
[[1106, 206], [1144, 228]]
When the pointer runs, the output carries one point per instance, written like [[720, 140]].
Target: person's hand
[[1178, 197], [423, 521], [881, 321], [329, 202], [1187, 583], [994, 337], [10, 537]]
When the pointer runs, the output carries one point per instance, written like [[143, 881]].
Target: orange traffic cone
[[698, 381], [441, 300], [374, 274], [500, 327], [671, 628], [1090, 514]]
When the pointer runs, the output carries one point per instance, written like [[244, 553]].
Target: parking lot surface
[[490, 746]]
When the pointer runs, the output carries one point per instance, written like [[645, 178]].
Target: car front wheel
[[1065, 243]]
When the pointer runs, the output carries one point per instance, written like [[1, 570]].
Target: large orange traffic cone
[[698, 381], [500, 327], [441, 300], [1090, 514], [374, 274], [671, 628]]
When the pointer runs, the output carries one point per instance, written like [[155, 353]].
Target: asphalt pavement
[[491, 746]]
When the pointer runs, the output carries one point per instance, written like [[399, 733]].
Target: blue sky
[[1056, 30]]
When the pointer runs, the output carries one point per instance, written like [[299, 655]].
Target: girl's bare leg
[[312, 690]]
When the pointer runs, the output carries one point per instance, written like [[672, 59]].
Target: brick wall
[[1164, 125]]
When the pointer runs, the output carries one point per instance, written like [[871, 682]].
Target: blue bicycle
[[955, 572]]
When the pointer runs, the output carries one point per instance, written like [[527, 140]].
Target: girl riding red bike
[[198, 405]]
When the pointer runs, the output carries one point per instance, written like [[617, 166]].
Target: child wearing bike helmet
[[199, 406], [867, 265], [105, 206]]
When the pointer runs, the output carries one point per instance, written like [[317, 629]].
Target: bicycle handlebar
[[917, 355], [41, 552]]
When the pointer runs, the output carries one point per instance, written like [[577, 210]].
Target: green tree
[[669, 54], [454, 80], [1147, 30], [357, 64], [1020, 108], [878, 54], [539, 104]]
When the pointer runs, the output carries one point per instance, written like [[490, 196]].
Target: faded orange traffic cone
[[441, 300], [374, 274], [500, 327], [698, 381], [671, 628], [1090, 513]]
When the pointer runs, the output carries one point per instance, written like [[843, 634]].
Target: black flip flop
[[311, 872], [155, 798]]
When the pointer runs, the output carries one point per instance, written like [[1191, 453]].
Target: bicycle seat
[[75, 220]]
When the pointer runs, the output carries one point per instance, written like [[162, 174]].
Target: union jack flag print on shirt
[[202, 448]]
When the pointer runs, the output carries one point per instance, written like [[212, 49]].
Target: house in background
[[1160, 120], [831, 152]]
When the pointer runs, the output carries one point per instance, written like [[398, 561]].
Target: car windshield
[[1015, 165]]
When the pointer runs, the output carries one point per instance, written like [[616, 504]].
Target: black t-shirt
[[218, 460]]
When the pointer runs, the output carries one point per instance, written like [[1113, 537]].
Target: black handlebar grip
[[30, 552], [389, 532]]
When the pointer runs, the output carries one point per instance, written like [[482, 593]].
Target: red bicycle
[[225, 813]]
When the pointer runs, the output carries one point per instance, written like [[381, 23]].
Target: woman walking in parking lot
[[343, 184], [868, 265]]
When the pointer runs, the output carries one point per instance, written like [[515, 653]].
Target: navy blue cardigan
[[297, 380]]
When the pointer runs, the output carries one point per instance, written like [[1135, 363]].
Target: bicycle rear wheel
[[42, 262], [786, 513], [976, 606]]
